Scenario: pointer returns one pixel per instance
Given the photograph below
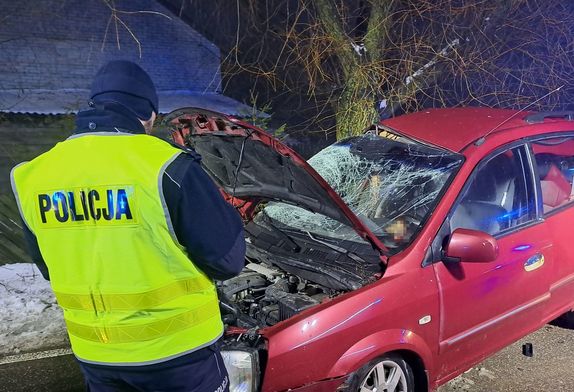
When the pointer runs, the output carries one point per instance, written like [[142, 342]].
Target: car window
[[497, 197], [554, 159], [391, 183]]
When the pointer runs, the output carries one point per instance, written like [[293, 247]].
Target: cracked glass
[[390, 182]]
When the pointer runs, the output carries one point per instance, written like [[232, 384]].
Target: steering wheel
[[410, 219]]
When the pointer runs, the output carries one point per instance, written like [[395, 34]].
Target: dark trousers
[[203, 373]]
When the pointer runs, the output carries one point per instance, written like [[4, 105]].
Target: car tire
[[389, 373]]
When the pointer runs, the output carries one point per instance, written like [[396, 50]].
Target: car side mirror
[[465, 245]]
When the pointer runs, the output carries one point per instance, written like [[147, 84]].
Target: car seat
[[554, 185], [488, 201]]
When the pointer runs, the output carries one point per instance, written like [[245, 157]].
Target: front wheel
[[389, 373]]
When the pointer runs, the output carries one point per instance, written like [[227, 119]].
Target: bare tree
[[352, 60]]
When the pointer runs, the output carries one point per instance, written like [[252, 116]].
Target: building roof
[[455, 128], [73, 100], [50, 51]]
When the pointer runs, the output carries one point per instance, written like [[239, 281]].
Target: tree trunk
[[355, 109]]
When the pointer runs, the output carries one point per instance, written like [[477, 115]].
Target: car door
[[485, 306], [554, 161]]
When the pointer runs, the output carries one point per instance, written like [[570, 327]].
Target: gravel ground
[[508, 371], [550, 369]]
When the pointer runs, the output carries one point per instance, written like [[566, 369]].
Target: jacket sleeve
[[34, 252], [207, 226], [32, 241]]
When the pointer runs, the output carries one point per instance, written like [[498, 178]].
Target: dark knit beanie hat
[[127, 84]]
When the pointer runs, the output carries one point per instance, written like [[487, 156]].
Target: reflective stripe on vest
[[148, 331], [133, 301], [129, 292]]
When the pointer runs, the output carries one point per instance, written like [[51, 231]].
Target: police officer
[[131, 232]]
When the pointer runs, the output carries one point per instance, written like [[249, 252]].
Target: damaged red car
[[395, 260]]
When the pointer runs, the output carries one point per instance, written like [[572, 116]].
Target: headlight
[[243, 369]]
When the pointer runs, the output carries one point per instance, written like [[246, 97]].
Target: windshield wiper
[[295, 246], [339, 249]]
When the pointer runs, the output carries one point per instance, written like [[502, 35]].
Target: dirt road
[[550, 369]]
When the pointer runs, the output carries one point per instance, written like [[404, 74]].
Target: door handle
[[534, 262]]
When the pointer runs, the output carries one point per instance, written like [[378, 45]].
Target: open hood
[[251, 166]]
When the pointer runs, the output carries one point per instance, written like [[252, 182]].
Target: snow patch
[[31, 319]]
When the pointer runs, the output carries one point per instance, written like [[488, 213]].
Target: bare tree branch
[[329, 61]]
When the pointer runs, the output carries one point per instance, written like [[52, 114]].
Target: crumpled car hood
[[251, 166]]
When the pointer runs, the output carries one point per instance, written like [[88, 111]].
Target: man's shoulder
[[188, 153], [184, 165], [46, 155]]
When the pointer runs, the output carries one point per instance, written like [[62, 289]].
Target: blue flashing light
[[521, 248], [514, 213]]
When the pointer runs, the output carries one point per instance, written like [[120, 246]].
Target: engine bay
[[262, 296], [287, 272]]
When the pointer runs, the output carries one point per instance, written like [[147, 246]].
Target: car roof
[[455, 128]]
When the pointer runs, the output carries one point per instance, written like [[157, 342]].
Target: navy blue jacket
[[205, 224]]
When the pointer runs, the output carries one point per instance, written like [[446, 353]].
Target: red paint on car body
[[449, 316]]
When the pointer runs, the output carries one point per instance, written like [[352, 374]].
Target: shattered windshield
[[390, 182]]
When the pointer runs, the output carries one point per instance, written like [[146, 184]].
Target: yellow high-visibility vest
[[129, 292]]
